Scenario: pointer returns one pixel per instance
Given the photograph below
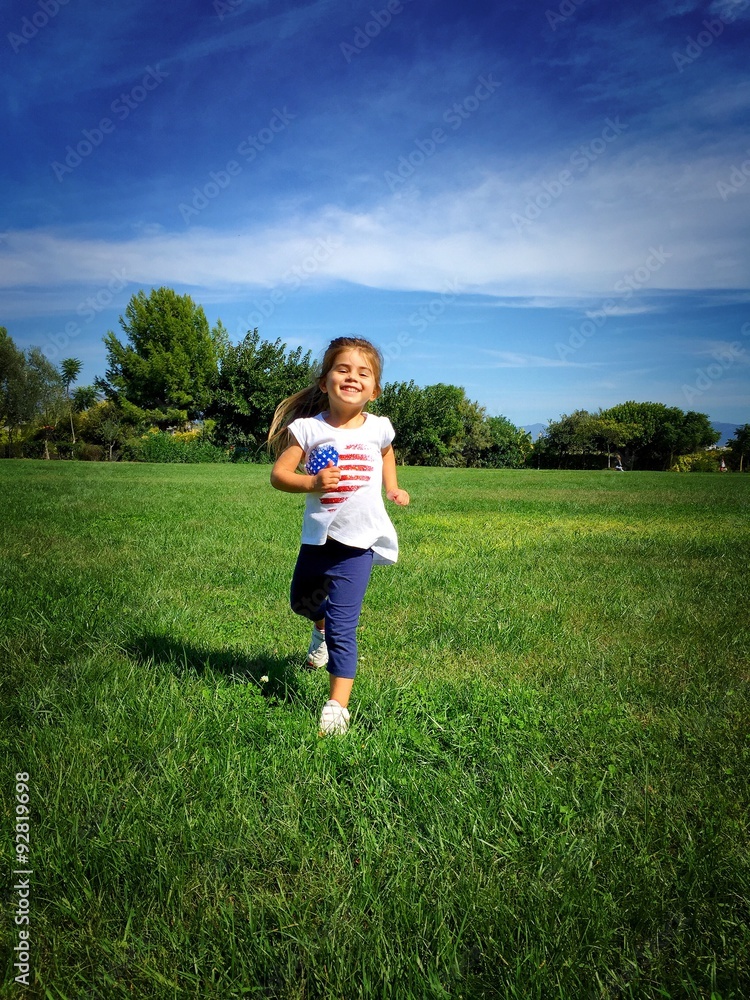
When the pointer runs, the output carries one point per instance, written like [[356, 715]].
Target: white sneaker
[[317, 653], [334, 720]]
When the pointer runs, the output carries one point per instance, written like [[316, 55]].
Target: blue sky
[[547, 203]]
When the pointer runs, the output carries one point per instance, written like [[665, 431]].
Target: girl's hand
[[326, 479], [401, 497]]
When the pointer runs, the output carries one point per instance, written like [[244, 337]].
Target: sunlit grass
[[543, 793]]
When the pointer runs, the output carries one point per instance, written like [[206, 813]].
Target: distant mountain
[[536, 429], [726, 430]]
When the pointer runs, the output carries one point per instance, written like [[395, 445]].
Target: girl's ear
[[375, 393], [322, 386]]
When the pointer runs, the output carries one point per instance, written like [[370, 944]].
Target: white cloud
[[513, 359], [627, 226]]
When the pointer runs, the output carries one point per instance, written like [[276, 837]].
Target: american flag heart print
[[320, 457], [356, 464]]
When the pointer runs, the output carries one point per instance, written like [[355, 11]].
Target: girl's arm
[[284, 475], [390, 482]]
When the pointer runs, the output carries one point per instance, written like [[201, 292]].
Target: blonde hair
[[312, 400]]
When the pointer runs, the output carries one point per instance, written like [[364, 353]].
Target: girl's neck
[[344, 421]]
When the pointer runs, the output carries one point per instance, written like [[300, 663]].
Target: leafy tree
[[170, 364], [44, 385], [476, 438], [103, 423], [255, 376], [568, 439], [111, 432], [510, 446], [404, 404], [70, 369], [16, 404], [645, 419], [84, 397], [659, 433], [221, 341], [430, 423], [696, 433], [739, 445], [444, 433], [610, 434]]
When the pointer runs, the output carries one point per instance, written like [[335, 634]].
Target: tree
[[403, 403], [739, 444], [16, 404], [84, 397], [645, 419], [255, 376], [103, 423], [660, 434], [509, 447], [170, 365], [444, 432], [609, 434], [568, 439], [430, 423], [70, 369], [45, 388], [476, 439]]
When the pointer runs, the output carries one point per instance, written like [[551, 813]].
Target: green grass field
[[544, 792]]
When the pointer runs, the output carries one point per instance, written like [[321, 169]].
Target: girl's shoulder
[[310, 422]]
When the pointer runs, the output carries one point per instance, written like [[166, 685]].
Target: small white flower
[[264, 679]]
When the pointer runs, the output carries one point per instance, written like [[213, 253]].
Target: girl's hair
[[311, 401]]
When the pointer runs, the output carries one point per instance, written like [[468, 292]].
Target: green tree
[[255, 376], [16, 403], [566, 441], [445, 429], [510, 446], [70, 369], [44, 385], [170, 364], [610, 434], [662, 433], [476, 438], [84, 397], [102, 423], [739, 445], [404, 404]]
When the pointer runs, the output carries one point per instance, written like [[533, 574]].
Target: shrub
[[699, 461], [86, 452], [158, 446]]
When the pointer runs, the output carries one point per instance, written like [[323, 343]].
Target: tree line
[[176, 389]]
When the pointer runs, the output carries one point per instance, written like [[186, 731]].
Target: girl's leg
[[347, 583], [340, 689], [309, 587]]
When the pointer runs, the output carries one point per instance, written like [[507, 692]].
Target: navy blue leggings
[[329, 582]]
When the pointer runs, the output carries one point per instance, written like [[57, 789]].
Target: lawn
[[544, 792]]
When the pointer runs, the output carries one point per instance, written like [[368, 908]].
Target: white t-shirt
[[354, 513]]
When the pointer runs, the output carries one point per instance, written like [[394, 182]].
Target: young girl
[[347, 454]]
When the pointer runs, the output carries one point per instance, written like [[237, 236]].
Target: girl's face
[[351, 381]]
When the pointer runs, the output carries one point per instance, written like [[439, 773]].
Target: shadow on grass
[[283, 672]]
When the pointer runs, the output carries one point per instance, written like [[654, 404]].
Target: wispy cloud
[[514, 359], [462, 233]]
